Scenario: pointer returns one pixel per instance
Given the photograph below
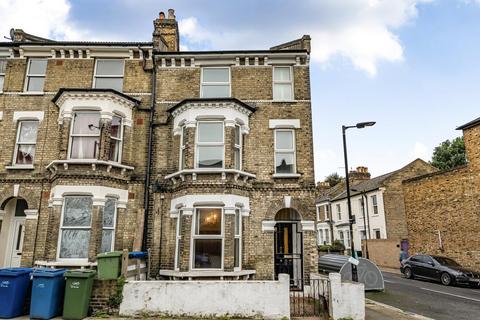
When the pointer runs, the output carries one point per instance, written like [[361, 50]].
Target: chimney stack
[[359, 175], [165, 33]]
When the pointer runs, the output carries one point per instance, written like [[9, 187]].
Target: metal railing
[[312, 301]]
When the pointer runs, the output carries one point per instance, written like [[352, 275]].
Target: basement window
[[215, 82], [109, 74], [36, 70]]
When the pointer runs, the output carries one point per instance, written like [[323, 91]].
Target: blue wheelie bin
[[48, 288], [14, 290]]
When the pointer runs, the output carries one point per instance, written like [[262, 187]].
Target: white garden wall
[[346, 298], [262, 299]]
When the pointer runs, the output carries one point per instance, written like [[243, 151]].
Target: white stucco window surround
[[108, 102], [1, 115], [28, 115], [284, 123], [229, 202], [232, 111], [99, 194]]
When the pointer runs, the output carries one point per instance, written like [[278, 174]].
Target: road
[[429, 298]]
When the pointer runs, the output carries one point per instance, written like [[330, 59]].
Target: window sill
[[32, 93], [52, 166], [287, 175], [66, 263], [194, 172], [20, 167]]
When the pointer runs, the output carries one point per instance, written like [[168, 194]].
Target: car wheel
[[408, 273], [446, 279]]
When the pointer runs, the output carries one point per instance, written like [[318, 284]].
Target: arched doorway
[[12, 230], [288, 248]]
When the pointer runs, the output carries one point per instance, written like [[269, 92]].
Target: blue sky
[[411, 65]]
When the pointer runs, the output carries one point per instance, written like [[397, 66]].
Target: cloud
[[43, 18], [361, 31]]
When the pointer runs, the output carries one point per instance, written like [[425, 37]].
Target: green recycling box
[[109, 265], [78, 290]]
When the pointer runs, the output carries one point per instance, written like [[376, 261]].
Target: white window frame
[[375, 204], [320, 236], [341, 237], [209, 144], [17, 144], [194, 237], [2, 74], [178, 239], [339, 211], [274, 82], [375, 233], [229, 83], [69, 155], [59, 242], [95, 75], [117, 140], [327, 236], [238, 237], [327, 212], [294, 151], [182, 160], [28, 75], [114, 223], [238, 147]]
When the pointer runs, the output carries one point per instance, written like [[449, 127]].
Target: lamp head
[[362, 125]]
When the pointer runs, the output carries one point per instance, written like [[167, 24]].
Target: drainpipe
[[149, 152]]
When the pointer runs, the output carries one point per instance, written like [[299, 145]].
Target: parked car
[[437, 268]]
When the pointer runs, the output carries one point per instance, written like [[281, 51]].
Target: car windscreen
[[446, 261]]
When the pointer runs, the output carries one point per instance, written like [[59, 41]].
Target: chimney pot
[[161, 16], [171, 14]]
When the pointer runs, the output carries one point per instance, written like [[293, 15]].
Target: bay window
[[3, 67], [36, 70], [208, 238], [85, 135], [285, 151], [282, 83], [237, 259], [25, 143], [109, 74], [75, 227], [178, 239], [210, 145], [108, 225], [116, 136], [215, 82], [183, 145], [237, 148]]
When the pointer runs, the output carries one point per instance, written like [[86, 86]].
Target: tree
[[333, 179], [449, 154]]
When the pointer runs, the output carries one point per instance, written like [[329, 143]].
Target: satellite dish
[[12, 34]]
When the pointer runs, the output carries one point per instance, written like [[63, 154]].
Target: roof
[[76, 43], [469, 125], [93, 90], [331, 193], [206, 100], [365, 186]]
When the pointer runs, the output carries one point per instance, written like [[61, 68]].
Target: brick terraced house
[[222, 139]]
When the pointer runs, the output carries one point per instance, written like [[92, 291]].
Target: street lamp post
[[365, 213], [359, 125]]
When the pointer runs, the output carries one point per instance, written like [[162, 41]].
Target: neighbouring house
[[378, 207], [203, 157], [442, 208]]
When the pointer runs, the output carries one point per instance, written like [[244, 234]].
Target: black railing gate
[[312, 301]]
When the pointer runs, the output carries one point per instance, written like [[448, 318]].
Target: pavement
[[428, 299], [379, 311]]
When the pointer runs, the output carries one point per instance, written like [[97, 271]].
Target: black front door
[[288, 252]]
